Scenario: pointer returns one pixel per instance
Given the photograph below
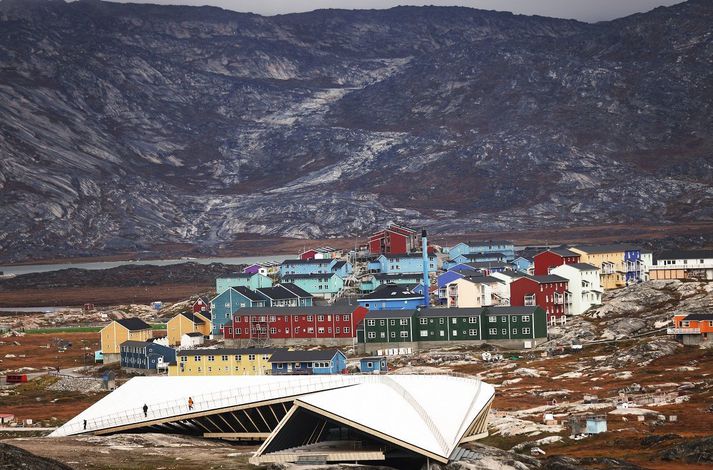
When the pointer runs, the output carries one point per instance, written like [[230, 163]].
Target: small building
[[328, 361], [224, 305], [479, 291], [583, 288], [683, 264], [372, 281], [587, 424], [315, 266], [326, 286], [524, 264], [553, 257], [391, 297], [373, 364], [402, 264], [120, 331], [692, 329], [286, 295], [192, 339], [250, 280], [187, 322], [6, 418], [548, 292], [222, 361], [201, 305], [504, 247], [145, 356], [394, 240]]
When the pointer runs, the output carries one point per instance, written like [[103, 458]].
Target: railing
[[683, 331], [681, 266]]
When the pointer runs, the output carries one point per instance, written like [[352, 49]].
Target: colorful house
[[395, 240], [201, 305], [324, 252], [509, 326], [480, 291], [391, 297], [402, 264], [693, 328], [266, 268], [373, 281], [474, 258], [524, 264], [250, 280], [315, 266], [334, 324], [584, 290], [504, 247], [286, 295], [373, 365], [223, 361], [619, 265], [225, 304], [121, 331], [682, 264], [145, 355], [328, 361], [548, 292], [187, 322], [553, 257], [326, 286]]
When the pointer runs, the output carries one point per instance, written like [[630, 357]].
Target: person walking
[[146, 410], [85, 424], [190, 403]]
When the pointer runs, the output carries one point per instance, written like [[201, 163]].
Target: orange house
[[692, 329]]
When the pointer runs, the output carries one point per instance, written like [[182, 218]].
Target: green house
[[388, 326]]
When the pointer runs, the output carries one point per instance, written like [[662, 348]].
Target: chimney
[[426, 281]]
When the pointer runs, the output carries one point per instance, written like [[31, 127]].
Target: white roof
[[431, 412]]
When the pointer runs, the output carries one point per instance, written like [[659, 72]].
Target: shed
[[6, 418], [373, 364]]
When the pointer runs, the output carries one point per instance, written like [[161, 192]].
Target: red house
[[201, 305], [296, 324], [309, 254], [552, 258], [548, 292], [396, 239]]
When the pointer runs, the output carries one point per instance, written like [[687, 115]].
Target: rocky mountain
[[124, 126]]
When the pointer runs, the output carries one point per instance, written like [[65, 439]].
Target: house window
[[505, 331], [423, 321], [197, 358], [382, 322], [393, 322], [455, 333], [493, 331], [184, 359], [223, 358], [404, 321], [320, 330], [525, 318], [310, 330], [347, 329], [473, 320], [455, 321], [382, 334], [393, 334], [273, 331], [251, 357], [272, 318], [371, 335], [424, 333], [525, 331], [265, 357], [442, 333], [504, 319], [279, 366], [239, 357], [309, 317], [492, 319], [404, 334], [514, 331], [370, 323], [442, 321], [473, 332], [337, 330], [320, 317], [513, 319]]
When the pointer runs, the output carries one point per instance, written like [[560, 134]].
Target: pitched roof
[[249, 293], [338, 265], [382, 314], [685, 254], [390, 292], [194, 334], [561, 251], [582, 266], [546, 279], [483, 279], [386, 277], [236, 276], [487, 264], [277, 292], [133, 324], [192, 318], [699, 316], [141, 343], [295, 289], [449, 312], [283, 355]]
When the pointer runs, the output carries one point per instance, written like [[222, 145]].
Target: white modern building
[[404, 419], [682, 264], [584, 289]]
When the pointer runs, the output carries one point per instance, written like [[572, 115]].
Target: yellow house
[[187, 322], [610, 259], [246, 361], [119, 331]]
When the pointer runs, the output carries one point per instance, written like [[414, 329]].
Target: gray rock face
[[125, 125]]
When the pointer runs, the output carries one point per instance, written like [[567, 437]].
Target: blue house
[[391, 297], [224, 305], [491, 246], [328, 361], [286, 295], [250, 280], [373, 364], [327, 285], [373, 281], [474, 258], [145, 355], [402, 264], [315, 266], [522, 264]]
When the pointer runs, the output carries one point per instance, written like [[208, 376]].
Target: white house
[[192, 339], [472, 292], [682, 264], [584, 289], [506, 277]]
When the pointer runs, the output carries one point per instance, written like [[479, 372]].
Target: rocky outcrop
[[128, 125], [14, 458]]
